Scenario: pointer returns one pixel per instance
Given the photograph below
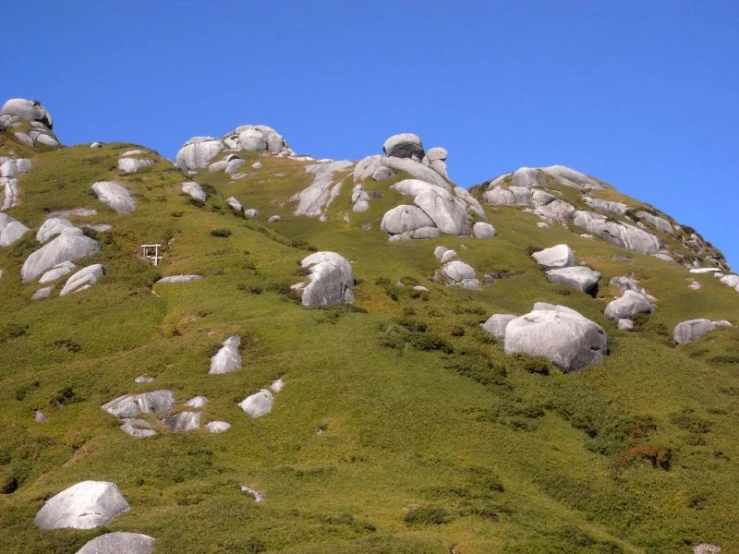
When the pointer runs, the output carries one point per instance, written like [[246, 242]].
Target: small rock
[[625, 324], [194, 191], [258, 404], [258, 496], [228, 358], [482, 230], [457, 271], [115, 196], [693, 329], [252, 213], [39, 417], [274, 219], [448, 256], [277, 385], [42, 293], [497, 323], [439, 251], [218, 426], [144, 379], [178, 279], [197, 402], [119, 543], [555, 257], [235, 204]]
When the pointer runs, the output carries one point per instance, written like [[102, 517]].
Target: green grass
[[403, 427]]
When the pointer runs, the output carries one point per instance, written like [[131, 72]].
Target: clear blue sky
[[642, 94]]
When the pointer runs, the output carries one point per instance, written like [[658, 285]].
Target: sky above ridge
[[643, 95]]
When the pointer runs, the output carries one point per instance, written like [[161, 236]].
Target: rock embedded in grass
[[497, 323], [11, 230], [631, 303], [555, 257], [258, 404], [70, 245], [578, 277], [692, 329], [330, 280], [115, 196], [119, 543], [86, 505], [83, 279], [228, 357], [130, 405]]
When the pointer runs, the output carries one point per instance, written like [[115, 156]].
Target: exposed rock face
[[119, 543], [258, 404], [183, 422], [578, 277], [630, 304], [115, 196], [618, 208], [11, 230], [659, 223], [314, 200], [29, 110], [620, 234], [197, 152], [70, 245], [83, 279], [693, 329], [10, 170], [405, 219], [497, 323], [218, 426], [132, 165], [235, 205], [555, 257], [404, 145], [85, 505], [228, 358], [330, 280], [130, 405], [568, 339]]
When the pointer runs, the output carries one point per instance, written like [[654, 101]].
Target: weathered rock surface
[[59, 270], [115, 196], [218, 426], [497, 323], [555, 257], [83, 279], [51, 228], [659, 223], [234, 204], [85, 505], [568, 339], [577, 277], [628, 305], [404, 219], [132, 165], [330, 280], [456, 271], [119, 543], [183, 422], [693, 329], [620, 234], [404, 145], [11, 230], [258, 404], [314, 200], [130, 405], [197, 152], [618, 208], [228, 358], [29, 110], [178, 279], [705, 548], [69, 246]]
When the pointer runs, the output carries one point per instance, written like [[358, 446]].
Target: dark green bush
[[223, 233], [427, 515]]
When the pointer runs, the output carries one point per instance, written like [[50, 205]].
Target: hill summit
[[253, 350]]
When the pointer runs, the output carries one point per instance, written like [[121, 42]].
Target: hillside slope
[[402, 426]]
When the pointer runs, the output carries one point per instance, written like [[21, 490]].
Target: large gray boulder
[[497, 323], [83, 279], [197, 152], [528, 177], [257, 138], [59, 270], [456, 272], [258, 404], [482, 230], [405, 218], [11, 230], [448, 213], [568, 339], [628, 305], [572, 178], [619, 234], [130, 405], [119, 543], [404, 145], [330, 280], [85, 505], [498, 196], [29, 110], [178, 279], [69, 246], [578, 277], [555, 257], [115, 196], [556, 211], [228, 358], [693, 329], [183, 422], [417, 170], [194, 191]]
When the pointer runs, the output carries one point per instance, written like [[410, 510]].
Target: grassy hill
[[402, 428]]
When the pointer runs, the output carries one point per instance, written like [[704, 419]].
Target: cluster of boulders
[[562, 335], [329, 281], [455, 272], [198, 152], [160, 405], [32, 122], [559, 262], [91, 504]]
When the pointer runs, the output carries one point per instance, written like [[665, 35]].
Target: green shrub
[[427, 515], [223, 233]]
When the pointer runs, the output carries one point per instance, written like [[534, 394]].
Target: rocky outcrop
[[83, 279], [32, 121], [555, 257], [330, 280], [404, 145], [405, 220], [70, 245], [482, 230], [10, 170], [51, 228], [119, 543], [85, 505], [228, 358], [115, 196], [578, 277], [617, 233], [197, 152], [314, 200], [129, 162], [178, 279], [568, 339], [693, 329], [130, 405]]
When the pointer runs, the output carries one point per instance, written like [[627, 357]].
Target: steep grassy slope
[[402, 428]]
